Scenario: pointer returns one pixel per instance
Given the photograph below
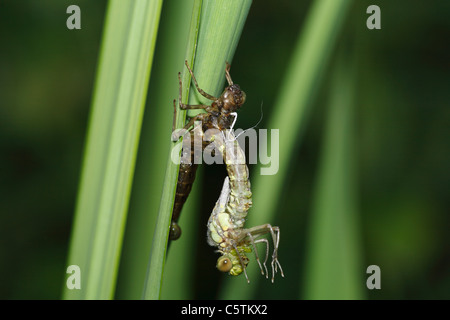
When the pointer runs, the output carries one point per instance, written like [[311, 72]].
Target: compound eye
[[240, 98], [224, 264], [243, 97]]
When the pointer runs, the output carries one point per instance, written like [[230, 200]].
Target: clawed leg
[[203, 93], [227, 73], [187, 106], [242, 262], [174, 114], [267, 256], [176, 135], [253, 242], [275, 231], [258, 231]]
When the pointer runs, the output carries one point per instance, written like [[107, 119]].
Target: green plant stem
[[108, 166], [333, 268], [153, 283], [221, 24], [153, 146]]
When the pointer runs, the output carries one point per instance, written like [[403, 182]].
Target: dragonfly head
[[231, 261], [232, 98]]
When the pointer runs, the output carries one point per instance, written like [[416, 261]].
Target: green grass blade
[[333, 266], [221, 24], [153, 146], [153, 283], [117, 108], [310, 57], [179, 281]]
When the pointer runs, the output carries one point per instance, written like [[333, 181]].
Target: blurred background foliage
[[401, 142]]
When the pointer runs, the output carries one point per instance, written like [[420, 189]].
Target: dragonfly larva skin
[[186, 177], [226, 223], [219, 115]]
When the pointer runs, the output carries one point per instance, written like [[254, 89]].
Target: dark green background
[[402, 118]]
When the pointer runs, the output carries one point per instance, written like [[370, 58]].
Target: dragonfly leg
[[275, 231], [203, 93], [187, 106], [252, 241], [267, 254], [174, 114], [192, 106], [242, 262], [227, 73], [176, 135]]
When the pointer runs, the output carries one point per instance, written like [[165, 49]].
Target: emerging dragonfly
[[219, 115], [226, 223]]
